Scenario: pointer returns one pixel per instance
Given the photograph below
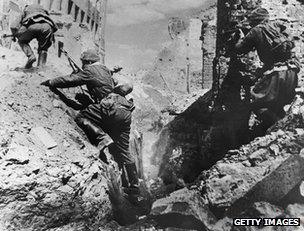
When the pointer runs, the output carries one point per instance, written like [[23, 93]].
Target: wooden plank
[[44, 137]]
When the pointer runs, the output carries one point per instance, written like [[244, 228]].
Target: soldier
[[278, 76], [34, 23], [107, 120]]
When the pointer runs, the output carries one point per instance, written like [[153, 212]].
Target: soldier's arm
[[246, 44], [73, 80]]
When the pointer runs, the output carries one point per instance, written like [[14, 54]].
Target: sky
[[136, 30]]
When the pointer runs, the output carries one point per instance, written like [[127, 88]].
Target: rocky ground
[[56, 184], [44, 187]]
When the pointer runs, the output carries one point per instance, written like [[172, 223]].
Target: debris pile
[[45, 184]]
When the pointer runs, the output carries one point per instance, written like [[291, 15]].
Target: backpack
[[281, 45]]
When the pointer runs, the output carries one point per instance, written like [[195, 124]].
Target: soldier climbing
[[34, 23], [106, 119], [278, 77]]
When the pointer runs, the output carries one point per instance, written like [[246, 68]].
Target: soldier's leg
[[44, 37], [25, 36], [121, 135], [89, 121]]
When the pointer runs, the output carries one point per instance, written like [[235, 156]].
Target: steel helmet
[[90, 55], [259, 14]]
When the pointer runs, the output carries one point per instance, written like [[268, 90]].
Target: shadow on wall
[[196, 139]]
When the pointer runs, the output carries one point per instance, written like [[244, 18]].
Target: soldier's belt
[[284, 67]]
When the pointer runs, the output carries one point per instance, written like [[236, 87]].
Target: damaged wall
[[180, 59], [208, 37], [193, 141]]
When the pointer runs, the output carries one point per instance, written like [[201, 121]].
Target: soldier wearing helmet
[[278, 76], [95, 76], [107, 119]]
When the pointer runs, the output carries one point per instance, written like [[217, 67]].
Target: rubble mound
[[48, 176], [266, 169]]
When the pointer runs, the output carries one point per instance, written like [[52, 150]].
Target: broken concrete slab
[[231, 186], [183, 209], [44, 137], [18, 154]]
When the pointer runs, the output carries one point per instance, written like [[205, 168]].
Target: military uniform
[[278, 81], [107, 121], [34, 23]]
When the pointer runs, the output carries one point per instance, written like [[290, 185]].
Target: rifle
[[72, 62], [244, 28], [216, 70], [116, 70], [7, 35]]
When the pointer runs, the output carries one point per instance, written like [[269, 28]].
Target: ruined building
[[197, 138]]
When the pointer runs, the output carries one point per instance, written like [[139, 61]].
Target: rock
[[224, 224], [18, 154], [264, 210], [302, 189], [271, 176], [299, 131], [183, 209], [44, 137], [66, 144], [10, 103], [296, 210], [56, 103], [35, 166]]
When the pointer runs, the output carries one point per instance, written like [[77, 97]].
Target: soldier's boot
[[133, 191], [42, 57], [94, 132], [29, 54], [133, 180]]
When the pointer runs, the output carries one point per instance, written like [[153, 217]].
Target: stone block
[[44, 137], [18, 154], [231, 186], [183, 209]]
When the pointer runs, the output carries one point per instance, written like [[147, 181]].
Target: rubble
[[183, 209], [296, 210], [230, 186], [44, 189]]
